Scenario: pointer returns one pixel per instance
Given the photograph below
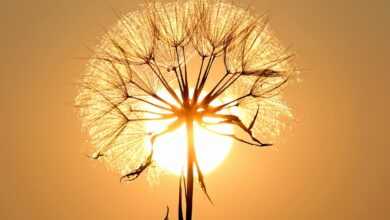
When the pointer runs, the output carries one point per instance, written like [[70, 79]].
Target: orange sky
[[332, 164]]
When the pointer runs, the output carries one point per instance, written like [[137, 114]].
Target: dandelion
[[143, 73]]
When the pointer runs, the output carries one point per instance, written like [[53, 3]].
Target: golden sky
[[331, 164]]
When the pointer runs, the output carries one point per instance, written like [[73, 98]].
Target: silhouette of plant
[[153, 51]]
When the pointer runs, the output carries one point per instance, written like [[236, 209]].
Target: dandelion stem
[[190, 163]]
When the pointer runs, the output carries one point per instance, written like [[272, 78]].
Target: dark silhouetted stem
[[190, 163]]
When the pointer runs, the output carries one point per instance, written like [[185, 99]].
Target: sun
[[170, 150]]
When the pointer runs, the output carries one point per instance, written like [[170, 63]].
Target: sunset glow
[[170, 150]]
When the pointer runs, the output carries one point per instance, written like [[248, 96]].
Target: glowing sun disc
[[170, 150]]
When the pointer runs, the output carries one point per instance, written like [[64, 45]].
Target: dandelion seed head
[[143, 53]]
